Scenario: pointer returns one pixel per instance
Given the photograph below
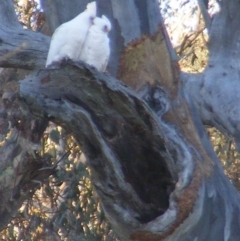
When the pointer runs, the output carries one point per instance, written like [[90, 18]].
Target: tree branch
[[216, 90], [18, 182], [203, 4], [115, 128], [151, 161], [22, 49]]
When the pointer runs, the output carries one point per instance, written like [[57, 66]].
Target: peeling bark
[[152, 164], [138, 159]]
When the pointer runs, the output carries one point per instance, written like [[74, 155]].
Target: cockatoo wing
[[68, 39], [58, 41], [65, 43], [105, 63], [96, 50]]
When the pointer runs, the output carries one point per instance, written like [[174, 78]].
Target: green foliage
[[227, 153], [29, 14], [66, 206]]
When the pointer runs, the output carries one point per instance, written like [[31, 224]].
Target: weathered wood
[[19, 48], [153, 166], [22, 48], [134, 155], [215, 92], [20, 165], [7, 14], [119, 134]]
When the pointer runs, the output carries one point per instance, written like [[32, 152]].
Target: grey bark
[[19, 48], [153, 166], [216, 90], [8, 15], [136, 157], [22, 48]]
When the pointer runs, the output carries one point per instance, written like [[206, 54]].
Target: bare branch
[[203, 6], [22, 48], [114, 127]]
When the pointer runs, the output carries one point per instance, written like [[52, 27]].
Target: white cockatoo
[[96, 49], [68, 39]]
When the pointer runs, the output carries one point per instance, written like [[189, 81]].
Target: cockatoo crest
[[92, 8], [89, 14]]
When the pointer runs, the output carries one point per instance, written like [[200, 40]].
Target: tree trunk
[[216, 91], [152, 164]]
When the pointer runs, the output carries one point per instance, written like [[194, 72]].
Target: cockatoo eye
[[91, 19], [105, 28]]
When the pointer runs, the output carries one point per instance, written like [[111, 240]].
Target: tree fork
[[153, 166]]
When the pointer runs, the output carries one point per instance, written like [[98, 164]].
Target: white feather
[[96, 50], [68, 39]]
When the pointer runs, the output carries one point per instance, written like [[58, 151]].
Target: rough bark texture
[[20, 165], [8, 15], [153, 166], [216, 90], [22, 48], [137, 157]]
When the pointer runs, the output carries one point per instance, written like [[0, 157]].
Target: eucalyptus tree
[[140, 125]]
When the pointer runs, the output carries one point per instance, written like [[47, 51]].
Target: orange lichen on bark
[[147, 60], [185, 207]]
